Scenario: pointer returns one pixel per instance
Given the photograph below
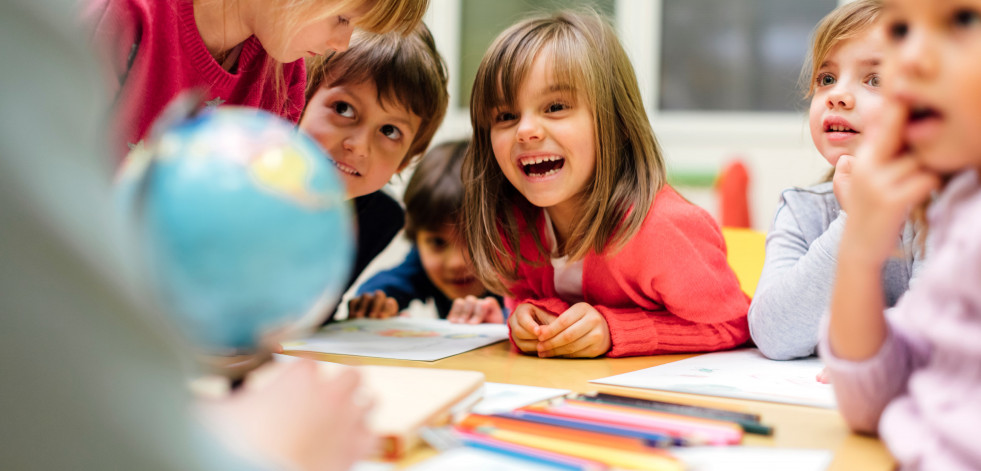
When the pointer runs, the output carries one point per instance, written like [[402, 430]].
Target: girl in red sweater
[[567, 209], [239, 52]]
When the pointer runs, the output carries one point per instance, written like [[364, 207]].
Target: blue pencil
[[653, 439]]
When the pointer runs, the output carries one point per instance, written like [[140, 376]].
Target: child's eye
[[826, 79], [874, 81], [898, 30], [391, 132], [966, 18], [505, 116], [344, 109], [437, 243], [555, 107], [343, 20]]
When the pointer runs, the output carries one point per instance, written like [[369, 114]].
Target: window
[[483, 20], [735, 55]]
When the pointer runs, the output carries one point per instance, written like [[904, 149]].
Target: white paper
[[743, 374], [400, 338], [470, 459], [743, 458], [500, 397]]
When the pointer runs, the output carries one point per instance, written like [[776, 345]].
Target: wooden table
[[794, 426]]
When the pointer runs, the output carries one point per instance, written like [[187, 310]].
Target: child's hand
[[843, 179], [580, 332], [823, 377], [298, 419], [524, 322], [474, 310], [885, 183], [373, 306]]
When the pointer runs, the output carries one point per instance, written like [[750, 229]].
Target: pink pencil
[[720, 433]]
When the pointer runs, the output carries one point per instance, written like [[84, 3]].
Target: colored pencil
[[654, 460], [712, 431], [529, 453], [749, 422], [717, 431], [590, 433], [648, 437]]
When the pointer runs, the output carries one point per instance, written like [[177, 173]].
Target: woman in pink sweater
[[239, 52], [915, 375], [567, 209]]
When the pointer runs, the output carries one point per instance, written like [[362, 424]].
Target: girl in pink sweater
[[239, 52], [915, 375], [567, 209]]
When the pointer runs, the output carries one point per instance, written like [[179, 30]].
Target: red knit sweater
[[161, 40], [668, 289]]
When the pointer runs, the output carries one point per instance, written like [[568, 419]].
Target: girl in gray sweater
[[794, 290]]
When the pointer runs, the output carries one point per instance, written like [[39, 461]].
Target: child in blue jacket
[[438, 266]]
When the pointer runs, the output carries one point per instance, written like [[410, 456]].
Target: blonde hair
[[384, 16], [843, 23], [586, 53], [405, 70]]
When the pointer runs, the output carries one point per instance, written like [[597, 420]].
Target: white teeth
[[550, 172], [538, 160], [345, 168]]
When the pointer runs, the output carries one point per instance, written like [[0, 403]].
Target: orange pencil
[[475, 422]]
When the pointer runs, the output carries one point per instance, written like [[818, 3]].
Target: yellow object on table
[[745, 252]]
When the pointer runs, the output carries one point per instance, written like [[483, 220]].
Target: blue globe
[[244, 224]]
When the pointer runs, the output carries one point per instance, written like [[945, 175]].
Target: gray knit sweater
[[794, 290]]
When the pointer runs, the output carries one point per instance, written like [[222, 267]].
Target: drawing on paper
[[400, 338]]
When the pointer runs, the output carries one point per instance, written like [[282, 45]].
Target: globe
[[243, 222]]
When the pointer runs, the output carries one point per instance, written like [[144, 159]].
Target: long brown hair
[[585, 52]]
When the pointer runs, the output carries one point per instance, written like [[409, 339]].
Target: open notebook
[[407, 399]]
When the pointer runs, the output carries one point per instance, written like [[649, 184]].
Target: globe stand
[[233, 368]]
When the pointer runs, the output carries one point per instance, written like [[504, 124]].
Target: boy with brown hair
[[374, 108]]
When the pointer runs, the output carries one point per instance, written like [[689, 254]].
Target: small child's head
[[433, 200], [558, 123], [293, 29], [376, 106], [933, 71], [844, 65]]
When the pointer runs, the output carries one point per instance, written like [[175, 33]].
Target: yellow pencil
[[655, 461]]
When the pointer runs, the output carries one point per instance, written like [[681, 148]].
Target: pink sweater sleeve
[[864, 389]]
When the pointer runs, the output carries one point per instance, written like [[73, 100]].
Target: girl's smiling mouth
[[542, 165]]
